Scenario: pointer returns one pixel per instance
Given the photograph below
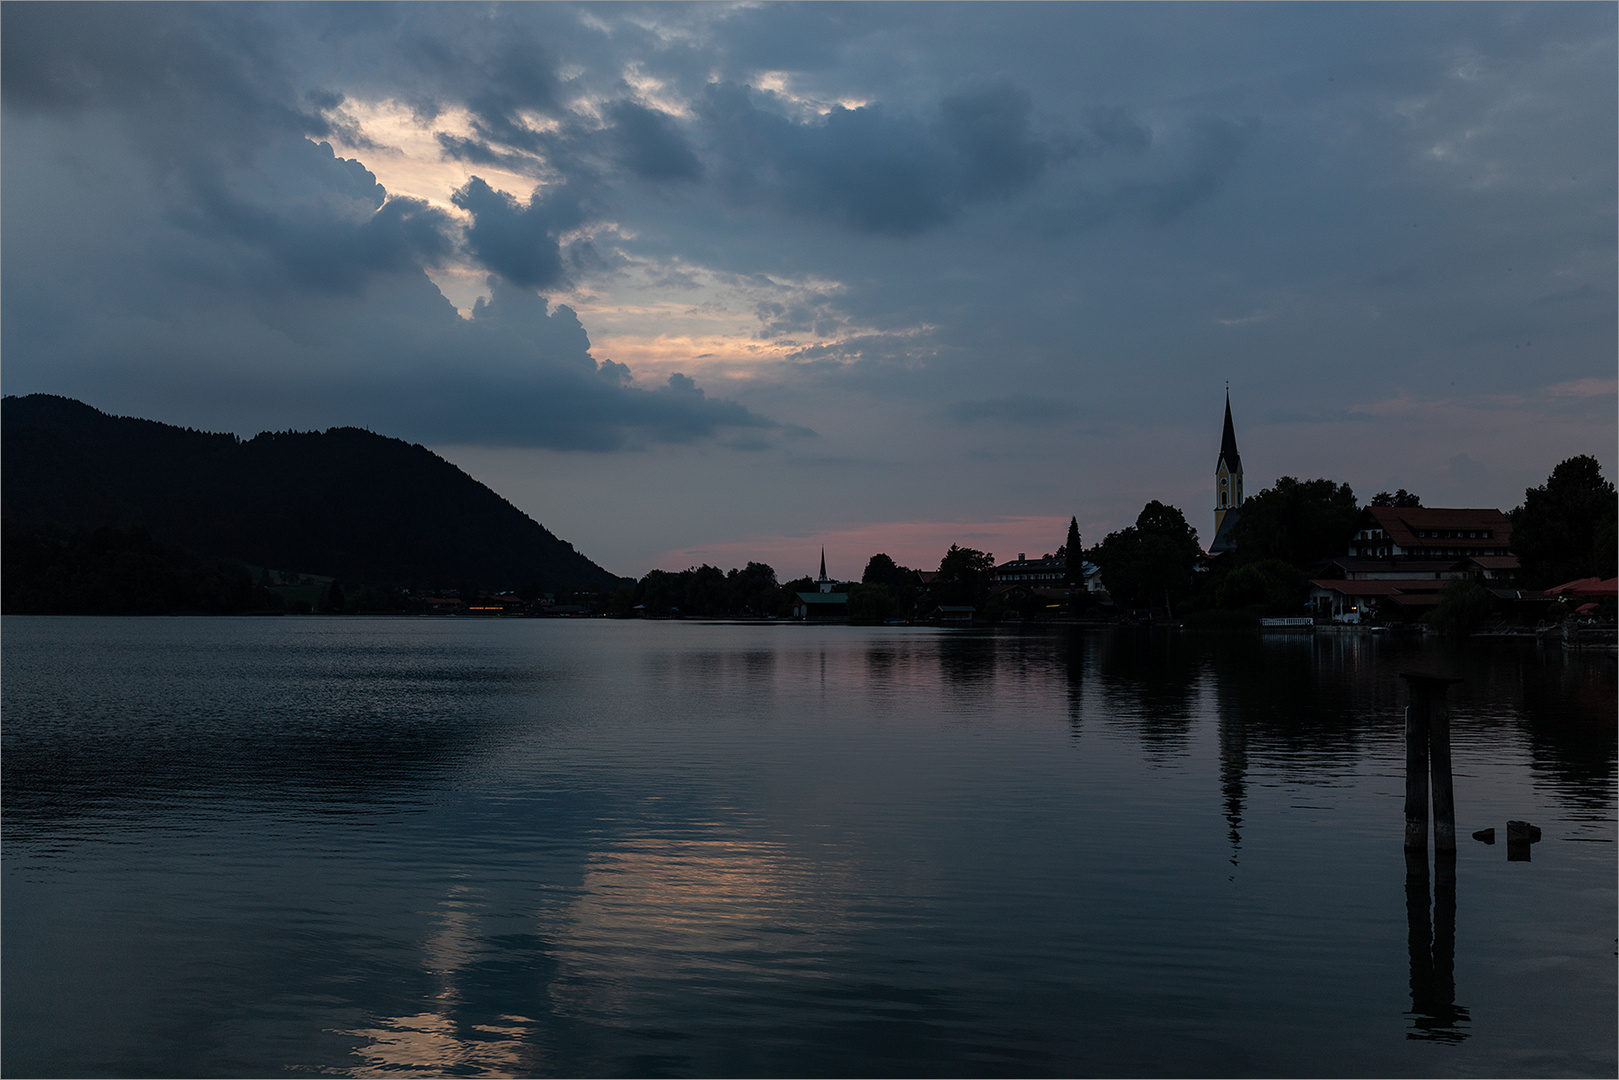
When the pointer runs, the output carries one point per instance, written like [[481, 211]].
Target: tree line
[[1286, 532], [1564, 529]]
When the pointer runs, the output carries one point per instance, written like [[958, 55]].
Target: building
[[1400, 557], [1046, 572], [1426, 532], [829, 603], [1227, 487]]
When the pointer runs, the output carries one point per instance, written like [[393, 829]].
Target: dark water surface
[[394, 847]]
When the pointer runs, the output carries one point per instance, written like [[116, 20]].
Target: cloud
[[650, 145], [331, 225], [1585, 388], [997, 151], [520, 243], [1017, 409]]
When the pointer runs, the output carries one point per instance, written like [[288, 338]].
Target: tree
[[1565, 528], [964, 577], [1463, 606], [1271, 583], [1074, 552], [870, 604], [1150, 562], [753, 589], [1304, 522], [1401, 498], [900, 581]]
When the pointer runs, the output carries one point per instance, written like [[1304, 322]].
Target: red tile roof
[[1416, 528], [1362, 588], [1589, 586]]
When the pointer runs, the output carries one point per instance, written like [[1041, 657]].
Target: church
[[1227, 487]]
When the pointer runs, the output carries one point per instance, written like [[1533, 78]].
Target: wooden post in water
[[1416, 772], [1444, 795], [1427, 750]]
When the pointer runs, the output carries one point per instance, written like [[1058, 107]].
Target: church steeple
[[823, 581], [1227, 484], [1228, 441]]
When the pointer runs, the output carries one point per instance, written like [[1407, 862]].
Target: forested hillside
[[345, 503]]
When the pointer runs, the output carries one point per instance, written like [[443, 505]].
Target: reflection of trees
[[1568, 711], [368, 724], [1076, 648], [1149, 681], [967, 659]]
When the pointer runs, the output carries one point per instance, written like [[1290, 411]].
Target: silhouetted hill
[[345, 502]]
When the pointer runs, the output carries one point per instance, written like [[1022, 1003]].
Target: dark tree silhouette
[[1401, 498], [1565, 528], [1304, 522], [1151, 562]]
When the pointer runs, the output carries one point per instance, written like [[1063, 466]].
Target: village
[[1299, 555]]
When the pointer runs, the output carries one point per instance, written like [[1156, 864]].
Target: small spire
[[823, 563]]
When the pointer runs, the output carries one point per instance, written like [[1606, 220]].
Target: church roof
[[1223, 540], [1228, 441]]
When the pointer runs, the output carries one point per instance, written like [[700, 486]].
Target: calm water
[[368, 847]]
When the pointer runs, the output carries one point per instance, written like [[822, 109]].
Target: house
[[1048, 571], [1423, 532], [1399, 558], [821, 606]]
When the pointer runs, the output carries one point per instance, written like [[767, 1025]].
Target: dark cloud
[[554, 409], [343, 232], [520, 243], [650, 145], [1211, 148], [791, 36], [867, 169], [498, 80], [991, 135]]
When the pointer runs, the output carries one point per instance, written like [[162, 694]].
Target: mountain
[[345, 503]]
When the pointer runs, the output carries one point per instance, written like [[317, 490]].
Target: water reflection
[[1233, 774], [1149, 680], [690, 911], [1434, 1015], [662, 848], [443, 1039]]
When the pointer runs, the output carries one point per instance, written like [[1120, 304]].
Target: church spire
[[1227, 485], [823, 565], [1228, 440]]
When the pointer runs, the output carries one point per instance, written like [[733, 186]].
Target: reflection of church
[[1227, 487]]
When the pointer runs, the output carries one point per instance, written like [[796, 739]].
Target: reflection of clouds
[[436, 1042], [433, 1043], [687, 912]]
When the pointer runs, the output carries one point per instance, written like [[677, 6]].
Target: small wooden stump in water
[[1520, 834]]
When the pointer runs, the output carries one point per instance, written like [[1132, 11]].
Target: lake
[[348, 846]]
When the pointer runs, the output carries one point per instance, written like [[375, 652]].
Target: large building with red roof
[[1400, 557]]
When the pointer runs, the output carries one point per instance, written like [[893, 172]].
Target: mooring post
[[1444, 795], [1427, 749], [1416, 770]]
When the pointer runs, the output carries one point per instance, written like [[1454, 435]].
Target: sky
[[734, 282]]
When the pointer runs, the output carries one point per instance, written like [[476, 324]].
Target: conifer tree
[[1074, 576]]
